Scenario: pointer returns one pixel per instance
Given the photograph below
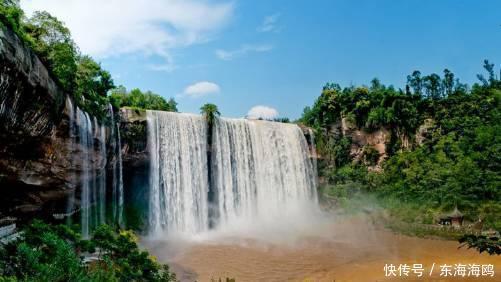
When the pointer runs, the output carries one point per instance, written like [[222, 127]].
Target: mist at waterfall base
[[257, 181]]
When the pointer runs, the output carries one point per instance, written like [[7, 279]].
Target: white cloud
[[201, 89], [270, 23], [262, 112], [228, 55], [103, 28]]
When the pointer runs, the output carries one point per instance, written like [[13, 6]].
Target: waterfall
[[260, 169], [178, 172], [120, 180], [70, 208], [314, 155], [87, 143], [117, 184], [94, 184], [92, 178], [102, 177]]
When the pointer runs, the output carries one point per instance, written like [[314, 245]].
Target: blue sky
[[276, 53]]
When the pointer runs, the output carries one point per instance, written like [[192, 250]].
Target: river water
[[331, 249]]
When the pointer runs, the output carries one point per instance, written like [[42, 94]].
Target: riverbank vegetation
[[58, 253], [443, 148]]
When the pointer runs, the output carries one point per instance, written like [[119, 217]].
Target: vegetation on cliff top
[[137, 99], [77, 74], [56, 253], [456, 164]]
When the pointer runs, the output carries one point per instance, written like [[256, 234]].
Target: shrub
[[55, 253]]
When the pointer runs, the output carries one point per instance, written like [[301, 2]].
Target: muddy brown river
[[341, 250]]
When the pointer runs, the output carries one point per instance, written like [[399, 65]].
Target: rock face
[[133, 131], [377, 141], [36, 151], [31, 103], [361, 140]]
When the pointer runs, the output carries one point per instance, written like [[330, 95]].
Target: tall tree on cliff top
[[92, 84], [53, 44], [210, 112]]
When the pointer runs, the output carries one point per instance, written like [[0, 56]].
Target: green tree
[[210, 112], [92, 84], [433, 86], [415, 82], [53, 44], [148, 100], [172, 104], [11, 16]]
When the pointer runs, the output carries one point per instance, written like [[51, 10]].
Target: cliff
[[376, 142], [36, 149], [362, 140]]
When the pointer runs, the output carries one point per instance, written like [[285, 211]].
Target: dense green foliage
[[54, 253], [77, 74], [11, 16], [52, 42], [455, 163], [141, 100]]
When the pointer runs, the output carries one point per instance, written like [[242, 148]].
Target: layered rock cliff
[[36, 150]]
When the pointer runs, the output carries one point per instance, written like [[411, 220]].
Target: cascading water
[[178, 172], [87, 144], [70, 208], [120, 180], [314, 155], [117, 184], [92, 181], [260, 169], [101, 197]]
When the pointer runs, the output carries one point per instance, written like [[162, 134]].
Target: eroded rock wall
[[37, 153]]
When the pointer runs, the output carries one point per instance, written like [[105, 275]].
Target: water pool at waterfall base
[[327, 248]]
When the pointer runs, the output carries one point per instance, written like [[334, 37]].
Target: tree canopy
[[120, 97], [210, 112]]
